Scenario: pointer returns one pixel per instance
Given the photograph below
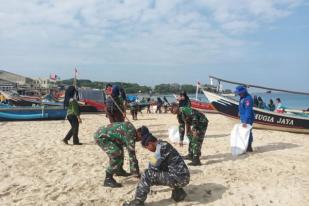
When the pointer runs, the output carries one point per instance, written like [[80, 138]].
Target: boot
[[135, 202], [77, 143], [110, 181], [187, 157], [195, 161], [249, 148], [122, 173], [178, 194], [65, 141]]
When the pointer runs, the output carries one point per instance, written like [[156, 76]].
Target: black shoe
[[122, 173], [249, 148], [77, 143], [178, 194], [65, 141], [111, 182], [187, 157], [195, 162], [135, 202]]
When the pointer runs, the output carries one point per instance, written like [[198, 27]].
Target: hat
[[240, 90], [146, 135], [115, 91]]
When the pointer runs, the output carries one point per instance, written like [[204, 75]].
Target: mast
[[197, 88], [75, 80], [256, 86]]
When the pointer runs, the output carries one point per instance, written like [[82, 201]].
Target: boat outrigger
[[291, 121]]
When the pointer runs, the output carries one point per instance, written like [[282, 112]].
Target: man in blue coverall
[[246, 113]]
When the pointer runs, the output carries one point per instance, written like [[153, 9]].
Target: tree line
[[134, 87]]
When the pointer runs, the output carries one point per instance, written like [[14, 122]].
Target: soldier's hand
[[79, 120], [137, 175], [194, 133], [181, 143]]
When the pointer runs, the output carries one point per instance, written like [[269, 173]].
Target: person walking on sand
[[112, 138], [246, 113], [166, 167], [195, 123], [73, 115]]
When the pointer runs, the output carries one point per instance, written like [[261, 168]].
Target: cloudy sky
[[158, 41]]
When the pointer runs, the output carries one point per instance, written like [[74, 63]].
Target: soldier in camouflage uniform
[[165, 168], [115, 113], [183, 101], [196, 125], [112, 139]]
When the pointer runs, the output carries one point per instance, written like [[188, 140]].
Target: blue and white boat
[[9, 113]]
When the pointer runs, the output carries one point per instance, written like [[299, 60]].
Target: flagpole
[[74, 81], [196, 93]]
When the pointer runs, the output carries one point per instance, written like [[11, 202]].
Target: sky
[[150, 42]]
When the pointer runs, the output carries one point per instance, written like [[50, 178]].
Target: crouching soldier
[[196, 125], [112, 139], [165, 168]]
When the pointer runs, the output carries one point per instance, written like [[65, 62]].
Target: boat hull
[[202, 106], [32, 113], [264, 119]]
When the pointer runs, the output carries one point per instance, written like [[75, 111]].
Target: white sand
[[38, 169]]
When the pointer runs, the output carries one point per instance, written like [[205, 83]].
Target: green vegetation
[[128, 87], [133, 87]]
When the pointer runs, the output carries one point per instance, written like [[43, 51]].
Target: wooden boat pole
[[260, 87]]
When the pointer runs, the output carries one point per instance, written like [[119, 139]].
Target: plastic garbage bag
[[239, 139], [173, 135]]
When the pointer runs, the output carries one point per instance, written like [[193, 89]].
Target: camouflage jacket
[[167, 159], [122, 133], [193, 118]]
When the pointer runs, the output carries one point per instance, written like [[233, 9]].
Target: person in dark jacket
[[159, 105], [255, 101], [271, 105], [166, 167], [246, 113], [73, 115], [115, 108], [261, 103], [148, 106]]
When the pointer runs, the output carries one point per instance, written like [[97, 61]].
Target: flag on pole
[[54, 77], [75, 72]]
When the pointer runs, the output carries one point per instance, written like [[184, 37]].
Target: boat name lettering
[[285, 121], [265, 118]]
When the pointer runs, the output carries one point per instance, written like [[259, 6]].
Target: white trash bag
[[239, 139], [173, 135]]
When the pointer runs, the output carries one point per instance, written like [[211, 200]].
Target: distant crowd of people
[[271, 106]]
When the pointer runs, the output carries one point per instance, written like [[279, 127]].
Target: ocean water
[[288, 100]]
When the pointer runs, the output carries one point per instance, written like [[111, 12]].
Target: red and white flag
[[54, 77]]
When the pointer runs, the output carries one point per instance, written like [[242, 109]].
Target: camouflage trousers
[[154, 177], [196, 141], [115, 154]]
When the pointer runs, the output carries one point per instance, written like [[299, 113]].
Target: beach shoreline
[[38, 169]]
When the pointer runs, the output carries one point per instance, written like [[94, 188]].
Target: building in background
[[25, 85]]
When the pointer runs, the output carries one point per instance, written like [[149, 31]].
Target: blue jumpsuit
[[246, 113]]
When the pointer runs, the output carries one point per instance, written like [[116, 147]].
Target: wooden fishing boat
[[297, 122], [9, 113]]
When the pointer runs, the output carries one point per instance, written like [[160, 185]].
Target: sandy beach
[[38, 169]]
